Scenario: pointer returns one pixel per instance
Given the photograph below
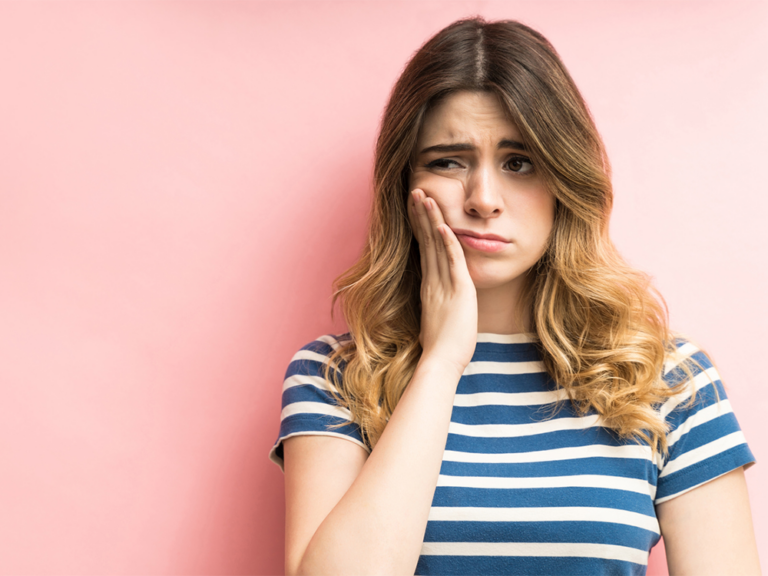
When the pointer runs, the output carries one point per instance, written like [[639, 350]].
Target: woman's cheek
[[424, 180], [446, 192]]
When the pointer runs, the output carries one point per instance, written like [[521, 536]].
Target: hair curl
[[602, 329]]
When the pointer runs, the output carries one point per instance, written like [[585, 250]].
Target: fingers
[[457, 266], [425, 235], [412, 217], [434, 244], [436, 221]]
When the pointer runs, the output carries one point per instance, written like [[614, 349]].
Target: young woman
[[509, 399]]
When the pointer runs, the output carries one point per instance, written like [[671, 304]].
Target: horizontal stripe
[[318, 422], [509, 399], [562, 531], [524, 565], [623, 467], [503, 368], [307, 393], [674, 359], [513, 430], [506, 353], [550, 497], [704, 434], [594, 451], [309, 355], [583, 480], [314, 408], [705, 397], [319, 433], [547, 441], [702, 453], [505, 383], [538, 514], [687, 479], [494, 414], [701, 380], [701, 417], [333, 342], [536, 549], [302, 380]]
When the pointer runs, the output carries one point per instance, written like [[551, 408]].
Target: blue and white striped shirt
[[524, 489]]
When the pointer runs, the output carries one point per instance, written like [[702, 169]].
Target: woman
[[509, 399]]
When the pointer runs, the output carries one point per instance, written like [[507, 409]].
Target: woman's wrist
[[434, 365]]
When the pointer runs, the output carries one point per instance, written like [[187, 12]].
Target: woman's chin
[[491, 281]]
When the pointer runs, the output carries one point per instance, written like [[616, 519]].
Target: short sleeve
[[704, 440], [308, 408]]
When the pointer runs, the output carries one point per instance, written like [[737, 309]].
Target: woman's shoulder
[[311, 358], [310, 404], [704, 439], [322, 346], [327, 342], [698, 393], [685, 357]]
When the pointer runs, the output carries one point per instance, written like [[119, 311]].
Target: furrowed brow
[[512, 144], [442, 148], [466, 147]]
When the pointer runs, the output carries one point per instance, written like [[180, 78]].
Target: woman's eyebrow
[[448, 148], [465, 147], [512, 144]]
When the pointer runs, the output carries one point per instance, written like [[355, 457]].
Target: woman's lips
[[482, 244]]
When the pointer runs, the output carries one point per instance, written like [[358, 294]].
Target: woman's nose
[[484, 193]]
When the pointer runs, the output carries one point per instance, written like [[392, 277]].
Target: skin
[[489, 188], [708, 531], [348, 512]]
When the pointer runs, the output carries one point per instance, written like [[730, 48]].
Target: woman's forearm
[[378, 525]]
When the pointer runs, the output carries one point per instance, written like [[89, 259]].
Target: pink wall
[[181, 181]]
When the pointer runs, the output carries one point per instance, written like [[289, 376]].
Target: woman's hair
[[601, 328]]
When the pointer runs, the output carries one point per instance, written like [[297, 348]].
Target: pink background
[[180, 183]]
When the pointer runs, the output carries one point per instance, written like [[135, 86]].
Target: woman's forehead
[[467, 117]]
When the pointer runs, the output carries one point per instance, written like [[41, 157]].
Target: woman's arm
[[708, 531], [350, 515], [318, 472]]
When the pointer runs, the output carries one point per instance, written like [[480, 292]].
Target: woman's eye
[[520, 164], [443, 163]]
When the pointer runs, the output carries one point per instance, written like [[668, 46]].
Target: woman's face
[[470, 160]]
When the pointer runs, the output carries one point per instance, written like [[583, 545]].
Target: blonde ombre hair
[[602, 329]]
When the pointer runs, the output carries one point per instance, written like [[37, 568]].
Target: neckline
[[520, 338]]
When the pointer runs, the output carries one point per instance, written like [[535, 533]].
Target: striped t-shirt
[[524, 489]]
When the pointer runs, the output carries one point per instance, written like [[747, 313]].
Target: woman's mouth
[[493, 244]]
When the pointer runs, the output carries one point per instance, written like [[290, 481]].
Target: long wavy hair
[[601, 327]]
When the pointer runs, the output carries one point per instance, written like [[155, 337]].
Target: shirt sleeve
[[704, 440], [308, 408]]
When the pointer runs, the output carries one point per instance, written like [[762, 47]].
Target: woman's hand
[[448, 295]]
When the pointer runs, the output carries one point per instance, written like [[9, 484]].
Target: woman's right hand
[[448, 295]]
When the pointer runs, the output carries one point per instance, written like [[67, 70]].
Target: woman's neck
[[498, 311]]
